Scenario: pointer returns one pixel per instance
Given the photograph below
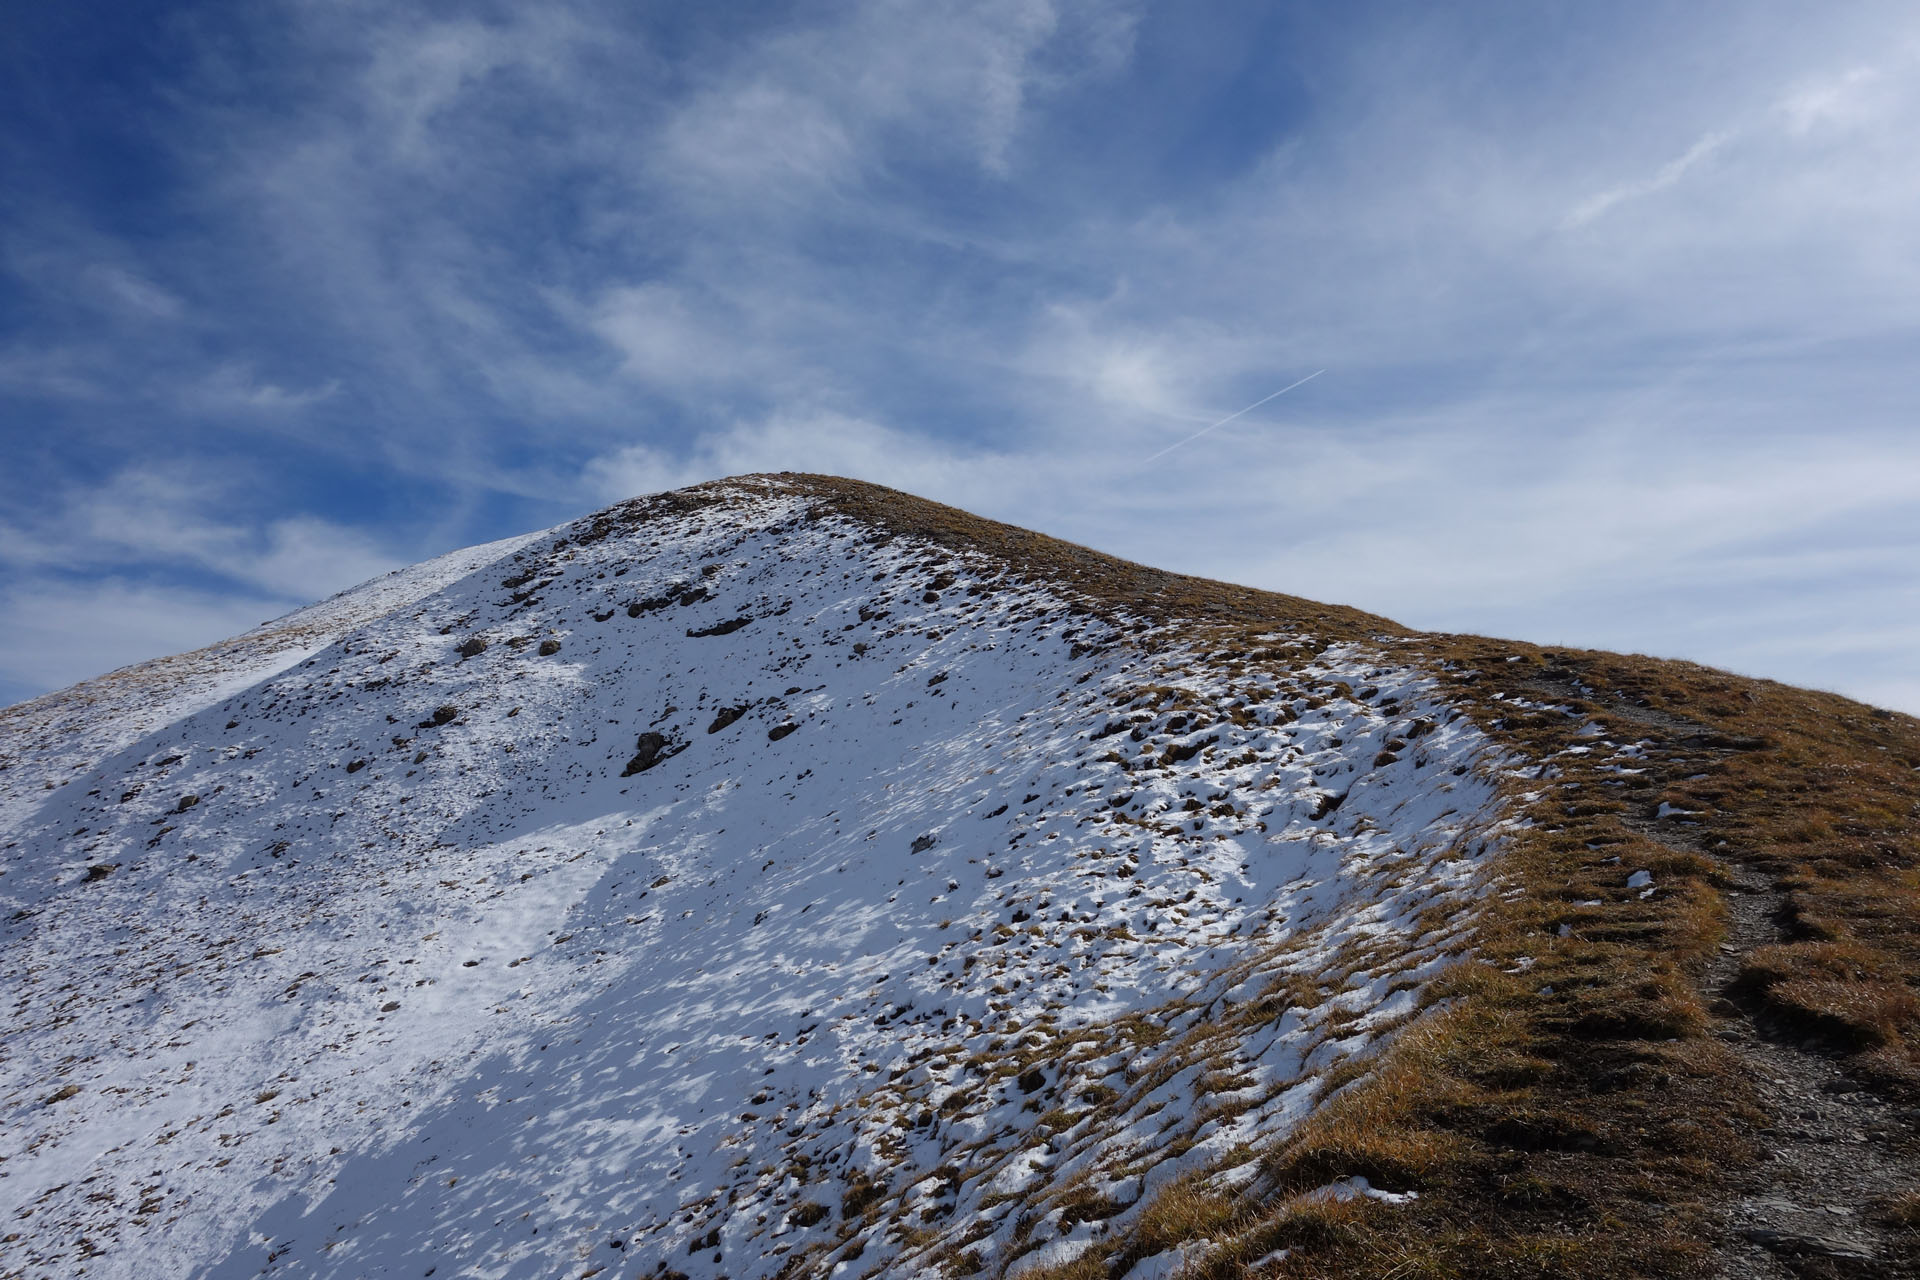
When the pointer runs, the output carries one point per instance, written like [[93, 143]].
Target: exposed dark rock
[[726, 628], [1793, 1244], [649, 751], [728, 715]]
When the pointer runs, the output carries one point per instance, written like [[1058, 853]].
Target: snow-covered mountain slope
[[718, 886], [47, 740]]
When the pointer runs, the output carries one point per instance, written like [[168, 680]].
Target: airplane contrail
[[1230, 417]]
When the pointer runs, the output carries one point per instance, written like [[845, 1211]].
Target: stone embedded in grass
[[1180, 753]]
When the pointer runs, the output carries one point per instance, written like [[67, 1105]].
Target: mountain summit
[[788, 877]]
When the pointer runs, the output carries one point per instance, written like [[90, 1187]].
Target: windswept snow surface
[[45, 741], [936, 899]]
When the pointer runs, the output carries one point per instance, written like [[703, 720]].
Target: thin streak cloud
[[1669, 174], [1238, 413]]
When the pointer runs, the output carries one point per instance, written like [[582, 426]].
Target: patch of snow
[[1170, 1264], [1055, 1253], [1356, 1187]]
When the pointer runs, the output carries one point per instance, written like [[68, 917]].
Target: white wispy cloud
[[668, 341], [132, 293], [825, 443], [235, 388], [1667, 175], [1849, 100], [181, 517]]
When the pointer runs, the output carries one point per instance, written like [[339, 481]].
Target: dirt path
[[1834, 1148]]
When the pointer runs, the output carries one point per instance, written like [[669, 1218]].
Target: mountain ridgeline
[[789, 877]]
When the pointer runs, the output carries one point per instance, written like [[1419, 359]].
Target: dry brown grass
[[1382, 1130], [1901, 1212], [1184, 1211], [1601, 1103], [1843, 990]]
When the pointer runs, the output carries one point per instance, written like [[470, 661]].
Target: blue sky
[[1618, 306]]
